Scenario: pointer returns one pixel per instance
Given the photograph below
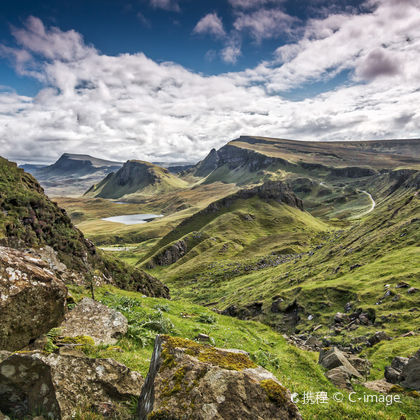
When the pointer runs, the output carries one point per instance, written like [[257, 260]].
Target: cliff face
[[234, 157]]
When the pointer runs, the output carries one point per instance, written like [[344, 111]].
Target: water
[[132, 219]]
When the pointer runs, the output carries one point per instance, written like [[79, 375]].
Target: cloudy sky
[[167, 80]]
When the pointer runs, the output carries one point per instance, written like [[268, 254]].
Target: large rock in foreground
[[32, 298], [187, 380], [91, 318], [62, 384]]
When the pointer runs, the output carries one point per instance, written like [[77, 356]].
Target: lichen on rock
[[189, 380]]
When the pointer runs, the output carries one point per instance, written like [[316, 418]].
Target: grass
[[296, 369]]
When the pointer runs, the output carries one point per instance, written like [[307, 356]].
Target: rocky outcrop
[[32, 298], [91, 318], [405, 371], [169, 255], [341, 368], [271, 190], [58, 385], [187, 380], [237, 157]]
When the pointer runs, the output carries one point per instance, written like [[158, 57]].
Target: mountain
[[136, 179], [31, 168], [29, 219], [73, 174], [245, 159]]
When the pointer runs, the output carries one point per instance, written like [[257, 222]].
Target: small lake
[[132, 219]]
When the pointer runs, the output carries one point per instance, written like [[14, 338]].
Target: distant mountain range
[[72, 174]]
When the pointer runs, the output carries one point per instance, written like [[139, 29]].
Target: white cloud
[[129, 106], [210, 24], [232, 50], [264, 23], [170, 5], [253, 4]]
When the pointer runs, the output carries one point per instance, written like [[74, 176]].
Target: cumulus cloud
[[378, 63], [264, 23], [129, 106], [169, 5], [253, 4], [232, 50], [210, 24]]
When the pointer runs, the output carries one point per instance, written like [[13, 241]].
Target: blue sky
[[170, 79]]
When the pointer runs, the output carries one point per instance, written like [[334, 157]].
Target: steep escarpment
[[136, 177], [29, 219], [253, 158]]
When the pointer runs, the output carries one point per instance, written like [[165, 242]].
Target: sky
[[168, 80]]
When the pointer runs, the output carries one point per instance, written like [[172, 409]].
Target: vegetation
[[296, 369]]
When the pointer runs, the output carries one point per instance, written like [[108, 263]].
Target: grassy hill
[[136, 178]]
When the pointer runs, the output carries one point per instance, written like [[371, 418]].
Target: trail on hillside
[[371, 207]]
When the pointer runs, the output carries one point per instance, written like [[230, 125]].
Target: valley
[[277, 247]]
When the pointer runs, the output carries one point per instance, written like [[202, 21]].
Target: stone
[[60, 384], [313, 343], [392, 375], [203, 338], [408, 334], [340, 318], [398, 363], [91, 318], [187, 380], [380, 385], [32, 298], [340, 377], [410, 374], [402, 284], [333, 358], [412, 290], [377, 337], [361, 365]]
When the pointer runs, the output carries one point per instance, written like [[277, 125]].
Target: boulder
[[61, 384], [340, 377], [410, 373], [392, 375], [333, 358], [377, 337], [187, 380], [361, 365], [32, 298], [393, 372], [91, 318]]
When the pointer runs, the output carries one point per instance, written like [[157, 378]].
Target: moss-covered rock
[[32, 298], [187, 380]]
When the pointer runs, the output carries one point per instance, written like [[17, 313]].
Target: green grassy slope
[[296, 369], [352, 265]]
